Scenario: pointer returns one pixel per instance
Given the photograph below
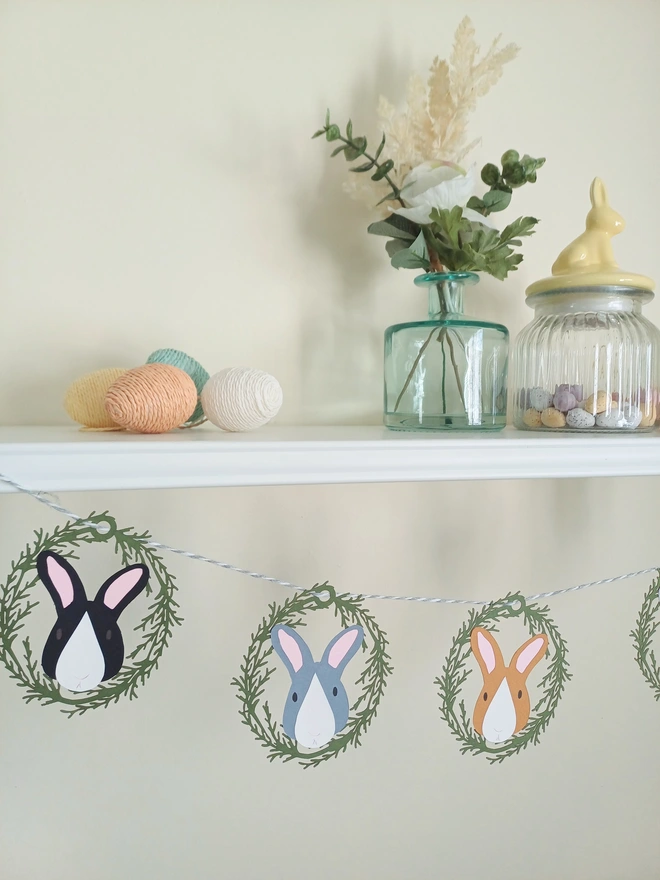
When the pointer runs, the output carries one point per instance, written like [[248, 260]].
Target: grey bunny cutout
[[317, 706]]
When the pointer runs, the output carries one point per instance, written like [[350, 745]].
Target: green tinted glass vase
[[447, 373]]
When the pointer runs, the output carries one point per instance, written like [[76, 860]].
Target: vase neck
[[446, 297]]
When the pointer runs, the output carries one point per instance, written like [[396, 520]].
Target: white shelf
[[59, 459]]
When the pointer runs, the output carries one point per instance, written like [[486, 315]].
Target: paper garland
[[89, 623], [643, 634], [85, 649], [345, 726], [512, 707]]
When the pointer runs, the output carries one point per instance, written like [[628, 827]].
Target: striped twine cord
[[50, 501]]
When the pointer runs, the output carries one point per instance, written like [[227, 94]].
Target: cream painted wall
[[158, 187]]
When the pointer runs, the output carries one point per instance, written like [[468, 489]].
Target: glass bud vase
[[447, 373]]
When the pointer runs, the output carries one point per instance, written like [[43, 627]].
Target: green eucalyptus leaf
[[338, 150], [327, 118], [395, 226], [383, 170], [318, 133], [332, 133], [395, 245], [510, 157], [496, 200], [476, 204], [406, 259], [355, 149], [349, 130], [490, 174], [392, 194], [360, 168], [514, 174], [380, 148], [419, 247]]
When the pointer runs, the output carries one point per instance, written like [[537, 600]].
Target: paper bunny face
[[85, 646], [502, 708], [317, 706]]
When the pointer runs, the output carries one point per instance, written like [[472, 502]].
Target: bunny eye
[[58, 633], [485, 695], [520, 695], [334, 692], [108, 635], [294, 697]]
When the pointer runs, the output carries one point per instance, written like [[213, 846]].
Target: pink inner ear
[[119, 588], [529, 654], [291, 649], [341, 648], [60, 579], [486, 651]]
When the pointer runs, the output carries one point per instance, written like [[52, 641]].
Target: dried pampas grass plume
[[433, 124]]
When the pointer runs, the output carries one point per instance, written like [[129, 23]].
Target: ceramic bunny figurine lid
[[589, 260]]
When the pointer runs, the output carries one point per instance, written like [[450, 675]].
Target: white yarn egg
[[240, 399]]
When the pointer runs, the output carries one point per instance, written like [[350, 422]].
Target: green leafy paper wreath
[[256, 672], [15, 605], [643, 634], [454, 675]]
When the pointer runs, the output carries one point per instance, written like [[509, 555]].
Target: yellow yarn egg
[[84, 401], [151, 399]]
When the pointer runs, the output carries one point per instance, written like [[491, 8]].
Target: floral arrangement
[[431, 213]]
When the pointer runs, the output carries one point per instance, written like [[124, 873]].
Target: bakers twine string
[[47, 499]]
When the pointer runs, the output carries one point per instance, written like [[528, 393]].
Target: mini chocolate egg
[[552, 418], [613, 418], [564, 400], [580, 419], [540, 399], [598, 403], [532, 418]]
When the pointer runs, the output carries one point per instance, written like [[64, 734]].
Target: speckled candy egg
[[580, 419], [532, 418], [564, 400], [540, 399], [632, 415], [598, 403], [614, 418], [575, 390], [552, 418]]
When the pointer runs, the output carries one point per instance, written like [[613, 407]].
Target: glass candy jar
[[590, 360], [448, 372]]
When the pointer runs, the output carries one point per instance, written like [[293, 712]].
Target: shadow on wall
[[341, 356]]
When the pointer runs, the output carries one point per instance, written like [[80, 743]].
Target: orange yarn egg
[[152, 399]]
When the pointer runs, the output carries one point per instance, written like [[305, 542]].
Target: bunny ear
[[343, 647], [598, 193], [291, 647], [120, 589], [60, 579], [529, 654], [486, 650]]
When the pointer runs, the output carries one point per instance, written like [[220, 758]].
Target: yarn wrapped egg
[[84, 400], [189, 365], [241, 399], [152, 399]]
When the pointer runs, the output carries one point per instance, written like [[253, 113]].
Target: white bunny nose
[[81, 665], [500, 719], [315, 724]]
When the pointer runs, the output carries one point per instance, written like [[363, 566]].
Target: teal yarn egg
[[189, 365]]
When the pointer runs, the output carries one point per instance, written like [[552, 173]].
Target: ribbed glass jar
[[589, 361]]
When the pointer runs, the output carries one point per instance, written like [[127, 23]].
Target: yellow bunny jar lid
[[589, 260]]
